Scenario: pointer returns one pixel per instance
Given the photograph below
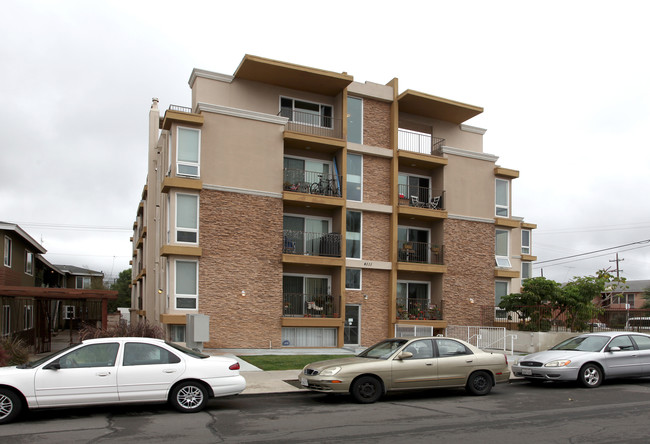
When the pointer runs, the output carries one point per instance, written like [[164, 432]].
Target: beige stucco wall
[[469, 187]]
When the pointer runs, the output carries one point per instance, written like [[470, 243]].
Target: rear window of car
[[187, 351], [643, 342]]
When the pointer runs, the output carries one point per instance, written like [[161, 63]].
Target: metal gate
[[493, 338]]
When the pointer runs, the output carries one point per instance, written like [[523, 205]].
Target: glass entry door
[[351, 333]]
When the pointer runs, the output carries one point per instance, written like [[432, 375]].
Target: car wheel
[[366, 390], [10, 406], [189, 397], [590, 376], [479, 383]]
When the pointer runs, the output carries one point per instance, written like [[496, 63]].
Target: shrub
[[142, 329], [13, 352]]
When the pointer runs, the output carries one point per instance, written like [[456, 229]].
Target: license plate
[[303, 381], [526, 372]]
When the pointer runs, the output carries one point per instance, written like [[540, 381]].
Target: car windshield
[[187, 351], [382, 350], [40, 361], [583, 343]]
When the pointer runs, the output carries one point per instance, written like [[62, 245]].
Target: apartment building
[[296, 207]]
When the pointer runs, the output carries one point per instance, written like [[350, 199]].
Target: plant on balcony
[[418, 311]]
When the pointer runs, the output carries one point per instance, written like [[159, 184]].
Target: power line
[[647, 241], [50, 226]]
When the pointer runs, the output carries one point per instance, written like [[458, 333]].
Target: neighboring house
[[296, 207], [37, 297], [627, 295]]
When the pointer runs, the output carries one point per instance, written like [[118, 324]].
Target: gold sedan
[[407, 364]]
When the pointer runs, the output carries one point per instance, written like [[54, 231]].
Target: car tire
[[479, 383], [10, 405], [366, 390], [189, 397], [590, 376]]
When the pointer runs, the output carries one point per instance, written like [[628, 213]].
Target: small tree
[[535, 294], [121, 285]]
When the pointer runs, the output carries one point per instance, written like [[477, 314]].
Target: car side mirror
[[405, 355], [53, 366], [615, 349]]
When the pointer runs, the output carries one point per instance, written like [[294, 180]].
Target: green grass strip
[[286, 362]]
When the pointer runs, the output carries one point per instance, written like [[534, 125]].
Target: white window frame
[[529, 266], [29, 317], [29, 263], [360, 179], [497, 206], [183, 295], [180, 163], [83, 282], [69, 311], [502, 261], [362, 120], [360, 233], [360, 279], [320, 111], [526, 247], [178, 229], [8, 251]]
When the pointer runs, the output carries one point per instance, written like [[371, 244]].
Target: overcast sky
[[565, 86]]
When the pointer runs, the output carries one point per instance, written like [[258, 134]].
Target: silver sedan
[[589, 359]]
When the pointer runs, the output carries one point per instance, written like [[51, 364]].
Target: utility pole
[[618, 271]]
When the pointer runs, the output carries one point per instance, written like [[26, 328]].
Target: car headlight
[[561, 363], [330, 371]]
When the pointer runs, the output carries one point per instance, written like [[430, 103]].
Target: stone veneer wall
[[374, 310], [469, 256], [376, 180], [375, 244], [241, 237], [376, 123]]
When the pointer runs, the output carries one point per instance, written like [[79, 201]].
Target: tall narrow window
[[525, 241], [353, 234], [188, 151], [186, 285], [354, 183], [6, 320], [526, 270], [29, 262], [187, 218], [355, 120], [7, 257], [502, 197], [29, 317], [352, 279], [500, 290], [501, 249]]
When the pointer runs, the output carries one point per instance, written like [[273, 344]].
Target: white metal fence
[[493, 338]]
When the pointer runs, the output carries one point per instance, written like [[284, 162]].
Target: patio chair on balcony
[[289, 246], [435, 202], [415, 202]]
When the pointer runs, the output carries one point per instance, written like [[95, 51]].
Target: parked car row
[[135, 370]]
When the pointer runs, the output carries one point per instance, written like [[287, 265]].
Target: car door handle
[[102, 374], [469, 361], [169, 370], [429, 363]]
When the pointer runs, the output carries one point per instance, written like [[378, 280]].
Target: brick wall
[[376, 180], [376, 123], [469, 256], [374, 310], [241, 237], [376, 236]]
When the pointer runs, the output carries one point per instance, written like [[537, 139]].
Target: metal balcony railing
[[417, 309], [312, 182], [310, 305], [312, 123], [421, 197], [420, 253], [417, 142], [312, 244]]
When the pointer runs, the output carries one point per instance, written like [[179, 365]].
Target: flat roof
[[422, 104], [289, 75]]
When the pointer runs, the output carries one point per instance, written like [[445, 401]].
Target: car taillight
[[235, 366]]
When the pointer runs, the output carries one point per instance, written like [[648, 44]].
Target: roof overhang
[[56, 293], [421, 104], [22, 233], [289, 75]]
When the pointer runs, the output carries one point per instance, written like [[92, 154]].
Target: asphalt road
[[616, 412]]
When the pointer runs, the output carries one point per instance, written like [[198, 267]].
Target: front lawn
[[286, 362]]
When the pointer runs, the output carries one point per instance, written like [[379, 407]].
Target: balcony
[[418, 142], [310, 305], [419, 253], [421, 197], [312, 244], [312, 182], [313, 124], [417, 309]]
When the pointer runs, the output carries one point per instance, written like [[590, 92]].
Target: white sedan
[[118, 370]]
